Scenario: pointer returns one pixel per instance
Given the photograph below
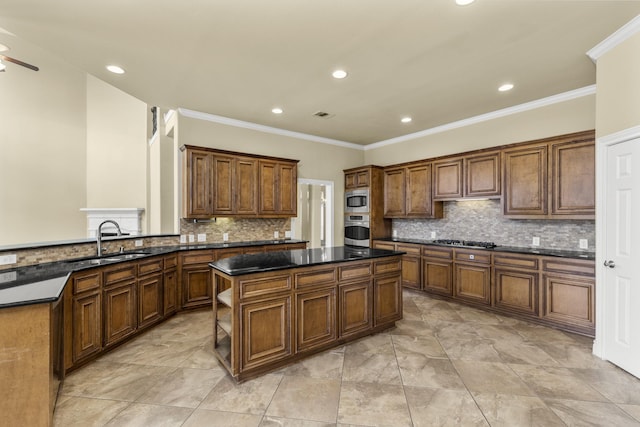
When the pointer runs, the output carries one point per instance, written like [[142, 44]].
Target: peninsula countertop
[[271, 261]]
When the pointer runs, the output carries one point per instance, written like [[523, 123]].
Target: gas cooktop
[[467, 243]]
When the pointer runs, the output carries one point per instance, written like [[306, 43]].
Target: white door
[[621, 257]]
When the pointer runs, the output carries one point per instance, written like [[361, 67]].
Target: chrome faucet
[[99, 238]]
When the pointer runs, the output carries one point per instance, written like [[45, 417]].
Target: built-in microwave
[[356, 201]]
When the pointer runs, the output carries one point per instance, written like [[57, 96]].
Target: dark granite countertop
[[271, 261], [513, 249], [45, 282]]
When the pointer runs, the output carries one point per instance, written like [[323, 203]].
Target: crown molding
[[543, 102], [262, 128], [623, 33]]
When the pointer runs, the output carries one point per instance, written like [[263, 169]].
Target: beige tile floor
[[443, 365]]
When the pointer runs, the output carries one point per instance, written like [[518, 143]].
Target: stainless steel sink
[[108, 259]]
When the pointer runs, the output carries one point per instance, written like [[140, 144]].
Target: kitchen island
[[273, 309]]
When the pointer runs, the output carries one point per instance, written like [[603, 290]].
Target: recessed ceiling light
[[505, 87], [464, 2], [115, 69], [277, 110], [339, 74], [406, 120], [3, 47]]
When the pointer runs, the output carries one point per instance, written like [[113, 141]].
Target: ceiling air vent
[[323, 115]]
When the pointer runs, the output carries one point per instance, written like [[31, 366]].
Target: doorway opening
[[315, 219]]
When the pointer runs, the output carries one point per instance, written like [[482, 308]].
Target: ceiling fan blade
[[18, 62]]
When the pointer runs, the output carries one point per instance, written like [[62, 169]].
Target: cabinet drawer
[[529, 263], [387, 266], [317, 277], [569, 266], [127, 271], [197, 258], [353, 271], [461, 255], [86, 282], [150, 266], [261, 286], [408, 248], [389, 246], [170, 262], [437, 252]]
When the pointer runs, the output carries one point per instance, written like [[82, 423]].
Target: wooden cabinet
[[472, 275], [387, 296], [569, 293], [224, 183], [407, 192], [551, 178], [437, 270], [86, 317], [316, 318], [411, 266], [516, 283], [120, 318], [357, 178], [197, 287], [278, 188], [170, 292], [355, 307], [482, 175], [447, 179], [266, 331], [150, 301]]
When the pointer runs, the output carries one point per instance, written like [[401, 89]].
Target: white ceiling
[[429, 59]]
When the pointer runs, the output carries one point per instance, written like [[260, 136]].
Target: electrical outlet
[[584, 244], [139, 242], [536, 241], [202, 237], [276, 234], [395, 233], [183, 238], [8, 259], [433, 234], [225, 237], [287, 234], [192, 238]]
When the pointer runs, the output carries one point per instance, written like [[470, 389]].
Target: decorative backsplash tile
[[482, 220], [239, 229]]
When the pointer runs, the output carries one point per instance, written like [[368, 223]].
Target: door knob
[[609, 264]]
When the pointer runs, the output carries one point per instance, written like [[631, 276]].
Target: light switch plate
[[584, 244], [536, 241], [8, 259], [192, 238], [202, 237], [276, 234], [225, 237], [139, 242], [287, 234], [433, 234], [183, 238]]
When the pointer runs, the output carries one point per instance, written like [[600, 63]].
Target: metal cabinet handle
[[609, 264]]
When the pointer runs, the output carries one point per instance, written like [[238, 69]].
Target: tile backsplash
[[482, 220], [238, 229]]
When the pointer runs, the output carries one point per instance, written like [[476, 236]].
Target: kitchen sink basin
[[107, 259]]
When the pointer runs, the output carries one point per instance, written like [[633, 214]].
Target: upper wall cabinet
[[357, 179], [407, 192], [223, 183], [551, 178], [475, 175]]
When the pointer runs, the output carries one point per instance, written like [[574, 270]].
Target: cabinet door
[[473, 283], [120, 317], [517, 291], [197, 289], [411, 265], [418, 191], [437, 276], [573, 178], [447, 179], [268, 187], [223, 185], [198, 200], [355, 301], [87, 326], [525, 179], [246, 187], [350, 180], [150, 302], [569, 301], [482, 175], [387, 294], [362, 178], [287, 189], [316, 318], [266, 332], [170, 292], [394, 192]]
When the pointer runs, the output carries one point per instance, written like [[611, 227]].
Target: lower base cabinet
[[516, 291], [316, 317], [355, 307], [569, 301], [266, 327], [387, 300], [150, 302], [87, 326], [473, 283], [197, 287], [170, 292], [120, 318]]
